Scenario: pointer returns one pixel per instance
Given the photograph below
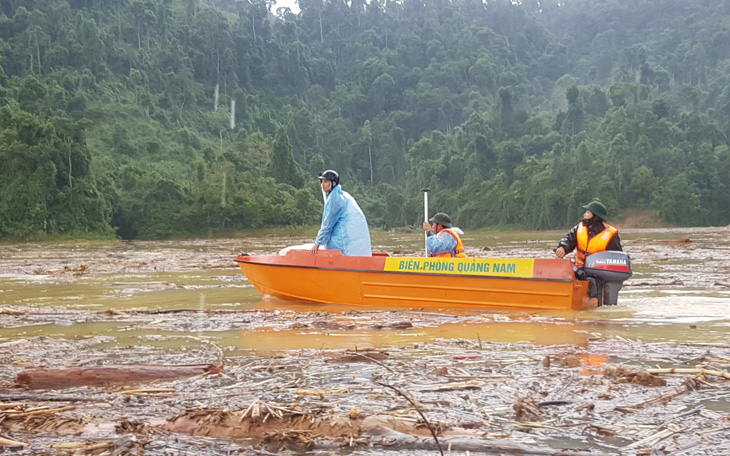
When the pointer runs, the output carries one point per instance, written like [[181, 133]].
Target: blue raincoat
[[344, 226]]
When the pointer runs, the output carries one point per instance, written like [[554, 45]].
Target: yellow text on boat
[[491, 267]]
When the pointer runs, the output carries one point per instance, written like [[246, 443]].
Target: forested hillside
[[153, 118]]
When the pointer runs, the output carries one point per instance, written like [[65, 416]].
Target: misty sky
[[290, 3]]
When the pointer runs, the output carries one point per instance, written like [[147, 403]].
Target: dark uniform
[[583, 235]]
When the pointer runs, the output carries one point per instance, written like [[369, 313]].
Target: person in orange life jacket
[[591, 235], [443, 239]]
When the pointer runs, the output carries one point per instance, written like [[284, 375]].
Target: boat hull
[[383, 281]]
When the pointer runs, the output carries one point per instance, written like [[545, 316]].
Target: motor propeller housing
[[607, 271]]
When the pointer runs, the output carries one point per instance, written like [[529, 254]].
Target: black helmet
[[330, 175]]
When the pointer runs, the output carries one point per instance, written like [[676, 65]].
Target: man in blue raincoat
[[343, 224]]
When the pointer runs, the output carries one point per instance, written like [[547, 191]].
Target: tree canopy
[[154, 118]]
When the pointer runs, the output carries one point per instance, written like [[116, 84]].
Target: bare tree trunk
[[370, 153], [70, 169]]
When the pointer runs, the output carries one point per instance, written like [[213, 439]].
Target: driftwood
[[8, 442], [653, 439], [53, 421], [321, 393], [413, 403], [148, 391], [44, 397], [7, 405], [393, 439], [8, 311], [285, 428], [359, 357], [125, 445], [633, 374], [527, 409], [109, 375], [36, 411], [675, 370], [690, 384], [682, 241], [260, 419]]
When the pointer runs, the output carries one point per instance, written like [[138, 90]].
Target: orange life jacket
[[597, 243], [458, 252]]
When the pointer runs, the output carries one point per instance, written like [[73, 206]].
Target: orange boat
[[386, 281]]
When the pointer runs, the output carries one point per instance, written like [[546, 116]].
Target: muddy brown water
[[67, 304], [680, 290]]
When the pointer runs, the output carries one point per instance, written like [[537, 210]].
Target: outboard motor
[[607, 271]]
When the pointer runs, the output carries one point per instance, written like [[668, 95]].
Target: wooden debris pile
[[633, 374], [126, 446], [18, 416], [485, 398]]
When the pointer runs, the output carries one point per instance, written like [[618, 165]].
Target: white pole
[[425, 216]]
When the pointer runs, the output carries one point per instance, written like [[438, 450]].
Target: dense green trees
[[46, 183], [153, 118]]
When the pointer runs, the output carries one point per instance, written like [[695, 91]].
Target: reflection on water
[[539, 333], [679, 293]]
